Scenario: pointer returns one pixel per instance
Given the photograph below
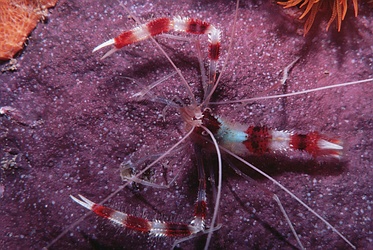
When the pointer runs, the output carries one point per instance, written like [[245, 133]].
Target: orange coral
[[17, 19], [338, 8]]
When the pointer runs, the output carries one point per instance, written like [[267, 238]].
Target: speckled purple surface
[[81, 124]]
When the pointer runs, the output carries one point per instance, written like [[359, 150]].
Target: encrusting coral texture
[[17, 19]]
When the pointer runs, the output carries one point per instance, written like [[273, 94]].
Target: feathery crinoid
[[312, 7], [17, 19]]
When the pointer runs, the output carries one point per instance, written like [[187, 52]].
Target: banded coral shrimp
[[238, 185]]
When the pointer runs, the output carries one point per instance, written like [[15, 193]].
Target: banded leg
[[201, 203], [155, 227], [165, 25]]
